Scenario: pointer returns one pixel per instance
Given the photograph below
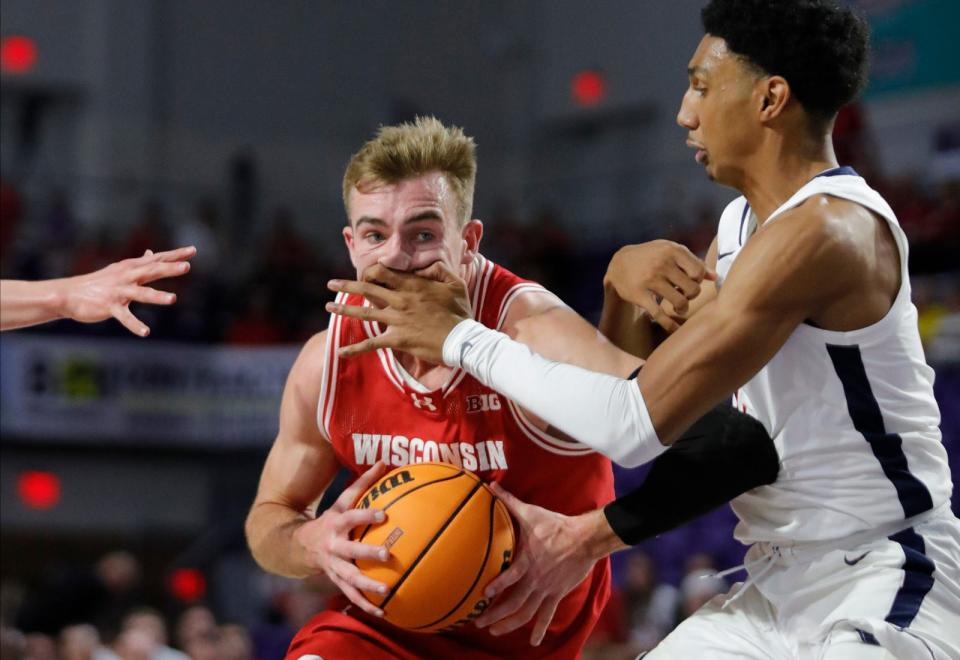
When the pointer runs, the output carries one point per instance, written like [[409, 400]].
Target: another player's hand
[[326, 545], [551, 561], [109, 291], [420, 309], [660, 277]]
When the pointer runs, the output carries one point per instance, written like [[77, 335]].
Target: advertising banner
[[135, 392]]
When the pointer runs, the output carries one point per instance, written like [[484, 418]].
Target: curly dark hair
[[819, 46]]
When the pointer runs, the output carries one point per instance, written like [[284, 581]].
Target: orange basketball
[[448, 537]]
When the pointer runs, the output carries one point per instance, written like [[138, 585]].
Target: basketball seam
[[413, 564], [412, 490], [483, 565]]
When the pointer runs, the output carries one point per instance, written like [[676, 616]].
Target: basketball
[[448, 536]]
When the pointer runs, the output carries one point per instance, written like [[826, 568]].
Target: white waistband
[[791, 553], [771, 554]]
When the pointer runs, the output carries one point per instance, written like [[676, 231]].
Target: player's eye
[[373, 237], [425, 236]]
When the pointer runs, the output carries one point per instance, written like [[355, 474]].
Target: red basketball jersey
[[371, 410]]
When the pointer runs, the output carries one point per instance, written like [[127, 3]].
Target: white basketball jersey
[[852, 414]]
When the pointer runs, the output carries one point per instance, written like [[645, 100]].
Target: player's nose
[[686, 117], [395, 257]]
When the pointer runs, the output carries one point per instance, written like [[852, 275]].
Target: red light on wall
[[187, 584], [18, 54], [38, 490], [588, 88]]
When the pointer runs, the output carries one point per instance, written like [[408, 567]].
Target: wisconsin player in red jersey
[[408, 195]]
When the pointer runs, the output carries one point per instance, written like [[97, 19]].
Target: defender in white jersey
[[854, 552], [852, 413], [854, 541]]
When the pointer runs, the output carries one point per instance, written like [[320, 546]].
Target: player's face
[[719, 110], [409, 225]]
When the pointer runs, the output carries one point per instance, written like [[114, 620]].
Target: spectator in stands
[[235, 643], [100, 595], [81, 641], [13, 643], [39, 646], [697, 588], [651, 608], [204, 645], [195, 623], [144, 626]]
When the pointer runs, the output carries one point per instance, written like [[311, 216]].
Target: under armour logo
[[464, 347], [423, 403]]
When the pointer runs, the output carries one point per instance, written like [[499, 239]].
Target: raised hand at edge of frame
[[95, 296], [109, 291]]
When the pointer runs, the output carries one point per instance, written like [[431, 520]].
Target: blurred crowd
[[102, 612], [643, 607], [266, 284], [105, 611]]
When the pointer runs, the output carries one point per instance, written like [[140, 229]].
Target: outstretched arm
[[95, 296]]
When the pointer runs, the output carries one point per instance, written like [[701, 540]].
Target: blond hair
[[413, 149]]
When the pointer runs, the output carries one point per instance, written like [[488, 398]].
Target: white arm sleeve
[[603, 412]]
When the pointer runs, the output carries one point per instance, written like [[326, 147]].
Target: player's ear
[[471, 234], [348, 239], [774, 95]]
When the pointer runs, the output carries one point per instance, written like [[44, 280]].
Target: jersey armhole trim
[[328, 382], [543, 439], [511, 296]]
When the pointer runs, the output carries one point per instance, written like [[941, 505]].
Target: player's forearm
[[604, 412], [597, 535], [725, 453], [707, 359], [270, 531], [24, 304], [626, 328]]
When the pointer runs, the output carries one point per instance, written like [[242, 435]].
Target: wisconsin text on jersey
[[481, 456]]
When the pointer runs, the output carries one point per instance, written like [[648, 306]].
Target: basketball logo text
[[477, 610], [393, 538], [385, 487]]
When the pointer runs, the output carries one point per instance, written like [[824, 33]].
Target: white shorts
[[900, 593]]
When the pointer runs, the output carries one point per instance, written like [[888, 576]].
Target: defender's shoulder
[[828, 225]]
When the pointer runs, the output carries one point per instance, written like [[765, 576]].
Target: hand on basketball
[[550, 563], [660, 277], [109, 291], [420, 309], [326, 545]]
